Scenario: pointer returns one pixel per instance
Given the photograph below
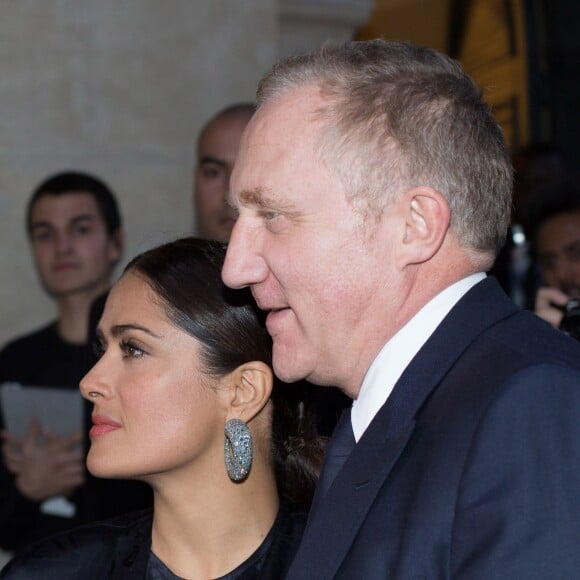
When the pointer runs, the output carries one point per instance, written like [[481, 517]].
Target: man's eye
[[211, 171], [41, 236], [81, 230], [131, 350]]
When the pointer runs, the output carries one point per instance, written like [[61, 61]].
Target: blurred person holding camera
[[555, 219]]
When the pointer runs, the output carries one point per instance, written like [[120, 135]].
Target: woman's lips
[[103, 425]]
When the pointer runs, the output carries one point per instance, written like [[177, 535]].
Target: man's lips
[[103, 425], [275, 317], [60, 266]]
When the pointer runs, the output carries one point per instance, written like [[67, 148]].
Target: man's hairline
[[111, 235]]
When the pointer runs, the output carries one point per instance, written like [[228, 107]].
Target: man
[[535, 164], [556, 227], [374, 187], [217, 150], [75, 233]]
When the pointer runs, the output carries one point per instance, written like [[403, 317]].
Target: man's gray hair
[[400, 116]]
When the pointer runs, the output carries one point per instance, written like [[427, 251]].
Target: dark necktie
[[338, 449]]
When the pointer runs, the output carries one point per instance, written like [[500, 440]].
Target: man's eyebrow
[[77, 218], [254, 197], [84, 217], [120, 329], [40, 224], [209, 159], [257, 197]]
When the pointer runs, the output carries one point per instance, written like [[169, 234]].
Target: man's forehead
[[73, 204], [222, 130]]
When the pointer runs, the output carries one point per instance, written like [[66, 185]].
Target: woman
[[182, 399]]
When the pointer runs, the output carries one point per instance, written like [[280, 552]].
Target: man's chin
[[287, 370]]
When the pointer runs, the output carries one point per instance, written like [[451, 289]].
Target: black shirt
[[120, 549]]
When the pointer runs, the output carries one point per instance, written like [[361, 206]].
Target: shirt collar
[[398, 352]]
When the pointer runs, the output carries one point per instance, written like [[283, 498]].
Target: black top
[[121, 549], [43, 359]]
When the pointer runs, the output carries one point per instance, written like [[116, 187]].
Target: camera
[[570, 323]]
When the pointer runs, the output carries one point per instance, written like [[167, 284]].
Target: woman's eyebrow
[[120, 329]]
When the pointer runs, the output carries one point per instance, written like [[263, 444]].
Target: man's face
[[310, 259], [558, 249], [217, 152], [72, 248]]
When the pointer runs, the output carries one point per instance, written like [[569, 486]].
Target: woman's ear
[[250, 387]]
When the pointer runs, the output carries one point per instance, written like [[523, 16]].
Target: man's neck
[[73, 314]]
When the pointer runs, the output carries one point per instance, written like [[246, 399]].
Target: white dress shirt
[[396, 355]]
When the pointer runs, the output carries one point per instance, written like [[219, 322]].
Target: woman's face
[[154, 409]]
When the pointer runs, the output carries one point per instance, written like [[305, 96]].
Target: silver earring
[[238, 452]]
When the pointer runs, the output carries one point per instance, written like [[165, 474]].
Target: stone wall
[[119, 89]]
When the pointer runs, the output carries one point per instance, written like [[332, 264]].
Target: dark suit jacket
[[471, 470]]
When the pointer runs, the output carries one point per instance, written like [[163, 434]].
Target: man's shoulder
[[521, 333], [527, 335], [86, 550]]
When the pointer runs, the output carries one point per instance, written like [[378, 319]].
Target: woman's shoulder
[[85, 552]]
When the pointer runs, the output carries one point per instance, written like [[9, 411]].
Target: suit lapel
[[332, 530], [330, 534]]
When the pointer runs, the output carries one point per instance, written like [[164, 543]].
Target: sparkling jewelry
[[238, 451]]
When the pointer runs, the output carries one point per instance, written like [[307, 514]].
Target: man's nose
[[63, 242], [244, 264]]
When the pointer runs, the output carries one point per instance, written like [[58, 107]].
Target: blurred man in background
[[217, 150], [555, 212], [76, 238]]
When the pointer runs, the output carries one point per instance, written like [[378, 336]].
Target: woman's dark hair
[[186, 276]]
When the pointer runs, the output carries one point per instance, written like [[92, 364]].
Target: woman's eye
[[131, 350]]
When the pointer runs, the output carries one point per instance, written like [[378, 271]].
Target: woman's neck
[[205, 531]]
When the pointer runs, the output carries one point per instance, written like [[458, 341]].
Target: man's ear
[[427, 218], [250, 387], [116, 245]]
